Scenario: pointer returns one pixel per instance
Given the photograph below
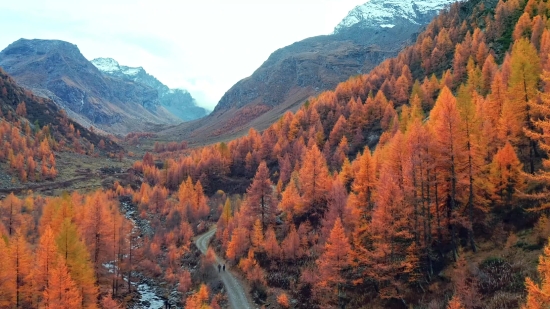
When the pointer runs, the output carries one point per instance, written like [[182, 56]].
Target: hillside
[[57, 70], [34, 132], [294, 73], [422, 183]]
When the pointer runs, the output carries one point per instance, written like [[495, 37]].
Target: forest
[[423, 184]]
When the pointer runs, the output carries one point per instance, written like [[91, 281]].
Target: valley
[[400, 162]]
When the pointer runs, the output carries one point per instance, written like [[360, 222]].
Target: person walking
[[219, 267], [223, 267]]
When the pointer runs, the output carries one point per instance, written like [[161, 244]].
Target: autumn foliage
[[376, 193]]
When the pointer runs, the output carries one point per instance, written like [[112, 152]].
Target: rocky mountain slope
[[178, 101], [371, 32], [57, 70]]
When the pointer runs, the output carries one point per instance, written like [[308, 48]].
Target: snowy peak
[[111, 66], [385, 13], [107, 65]]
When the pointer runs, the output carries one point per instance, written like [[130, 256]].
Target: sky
[[204, 46]]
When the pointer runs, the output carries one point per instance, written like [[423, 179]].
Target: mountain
[[177, 101], [371, 33], [57, 70], [385, 13], [41, 112]]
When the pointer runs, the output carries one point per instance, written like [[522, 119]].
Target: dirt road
[[235, 291]]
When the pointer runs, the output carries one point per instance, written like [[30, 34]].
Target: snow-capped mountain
[[111, 67], [57, 70], [178, 101], [385, 13]]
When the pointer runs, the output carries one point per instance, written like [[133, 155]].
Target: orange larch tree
[[291, 245], [257, 236], [291, 201], [390, 235], [271, 246], [522, 91], [96, 229], [313, 181], [62, 292], [335, 258], [10, 212], [7, 275], [260, 197], [538, 296], [506, 177], [199, 300], [73, 252], [46, 259], [451, 156]]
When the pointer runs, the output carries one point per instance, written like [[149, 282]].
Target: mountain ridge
[[178, 101]]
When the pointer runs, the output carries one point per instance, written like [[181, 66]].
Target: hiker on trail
[[223, 267], [219, 267]]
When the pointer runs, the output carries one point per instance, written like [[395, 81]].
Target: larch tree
[[291, 201], [227, 214], [418, 144], [199, 300], [474, 157], [538, 296], [314, 180], [46, 258], [337, 208], [506, 177], [200, 202], [364, 183], [390, 236], [62, 292], [7, 275], [446, 122], [238, 245], [74, 253], [291, 245], [260, 196], [21, 260], [335, 258], [97, 228], [271, 246], [10, 212], [257, 236], [525, 70]]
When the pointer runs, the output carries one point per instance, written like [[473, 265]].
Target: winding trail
[[235, 291]]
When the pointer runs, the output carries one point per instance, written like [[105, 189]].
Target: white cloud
[[203, 46]]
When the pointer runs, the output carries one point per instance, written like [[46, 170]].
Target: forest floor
[[236, 292]]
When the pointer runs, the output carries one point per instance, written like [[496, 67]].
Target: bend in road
[[235, 291]]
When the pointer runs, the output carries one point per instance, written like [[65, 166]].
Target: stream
[[149, 297]]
